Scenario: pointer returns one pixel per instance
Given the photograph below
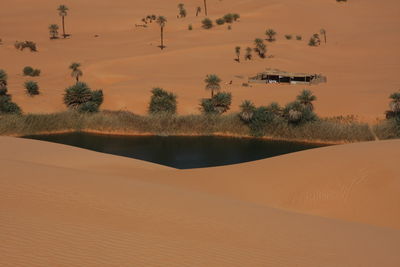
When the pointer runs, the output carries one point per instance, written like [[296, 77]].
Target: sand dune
[[64, 206], [361, 58]]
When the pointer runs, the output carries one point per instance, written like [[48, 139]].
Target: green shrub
[[218, 104], [220, 21], [236, 16], [228, 18], [80, 97], [162, 102], [190, 27], [207, 23], [29, 71], [26, 44], [288, 36], [32, 88]]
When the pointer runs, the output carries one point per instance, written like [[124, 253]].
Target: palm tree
[[76, 72], [198, 10], [323, 32], [205, 7], [247, 109], [3, 82], [395, 103], [212, 83], [53, 29], [162, 21], [237, 51], [62, 11], [271, 35], [306, 98]]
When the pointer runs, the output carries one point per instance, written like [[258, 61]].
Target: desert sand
[[333, 206], [361, 58], [65, 206]]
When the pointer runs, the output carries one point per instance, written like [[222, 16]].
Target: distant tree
[[248, 55], [205, 7], [212, 83], [394, 105], [247, 109], [217, 104], [207, 23], [198, 11], [306, 98], [271, 35], [162, 21], [53, 29], [63, 12], [323, 33], [297, 113], [260, 47], [182, 10], [32, 88], [6, 105], [162, 102], [76, 71], [228, 18], [81, 98], [237, 51]]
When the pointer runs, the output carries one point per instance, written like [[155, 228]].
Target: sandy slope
[[64, 206], [361, 58]]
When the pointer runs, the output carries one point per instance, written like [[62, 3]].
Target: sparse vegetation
[[162, 21], [29, 71], [217, 104], [32, 88], [6, 105], [76, 71], [271, 35], [212, 83], [315, 40], [288, 36], [26, 44], [207, 23], [81, 98], [260, 47], [248, 55], [63, 12], [220, 21], [299, 37], [182, 11], [53, 30], [162, 102], [190, 27], [237, 52]]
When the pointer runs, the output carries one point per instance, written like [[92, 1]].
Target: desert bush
[[299, 37], [228, 18], [26, 44], [190, 27], [162, 102], [260, 47], [32, 88], [288, 36], [80, 97], [220, 21], [29, 71], [218, 104], [271, 35], [207, 23], [236, 16]]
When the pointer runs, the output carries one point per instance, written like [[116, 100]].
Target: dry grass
[[122, 122]]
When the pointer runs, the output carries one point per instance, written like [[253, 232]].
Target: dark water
[[177, 151]]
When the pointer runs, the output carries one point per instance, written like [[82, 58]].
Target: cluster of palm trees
[[53, 28]]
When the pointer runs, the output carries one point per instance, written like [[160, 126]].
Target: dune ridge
[[67, 206]]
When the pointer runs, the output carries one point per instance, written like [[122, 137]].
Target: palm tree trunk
[[205, 7], [212, 93], [325, 37], [77, 78], [162, 38], [63, 25]]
